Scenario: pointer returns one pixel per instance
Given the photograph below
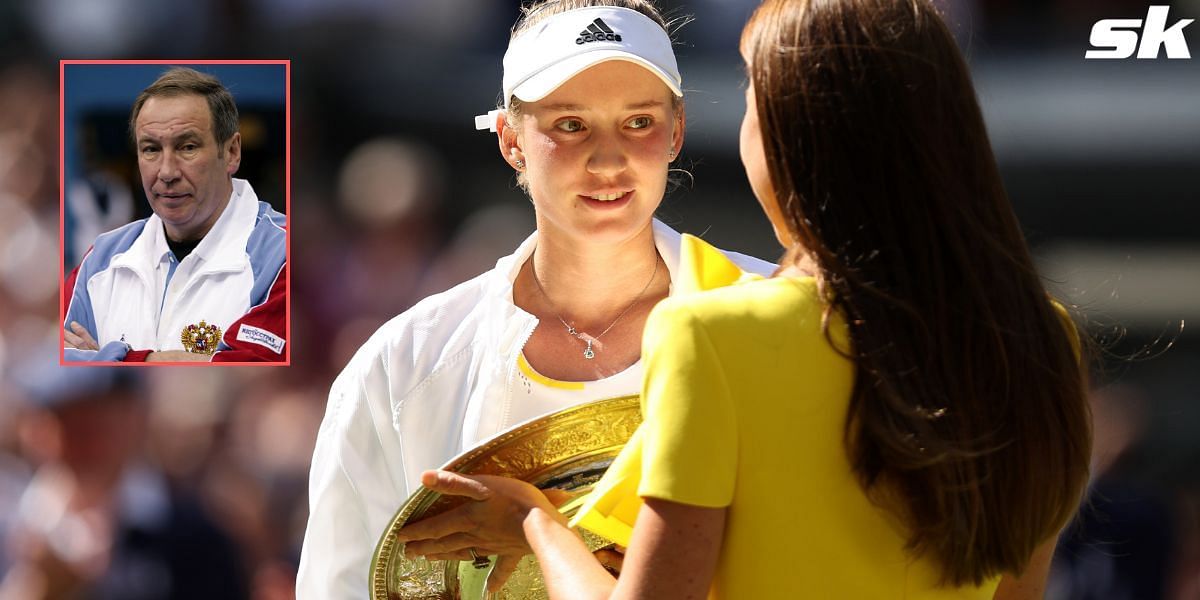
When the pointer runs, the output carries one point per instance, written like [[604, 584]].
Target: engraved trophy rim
[[571, 464]]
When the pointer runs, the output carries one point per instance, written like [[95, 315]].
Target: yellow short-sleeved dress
[[744, 401]]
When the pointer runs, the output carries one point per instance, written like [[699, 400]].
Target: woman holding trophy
[[592, 119], [899, 412]]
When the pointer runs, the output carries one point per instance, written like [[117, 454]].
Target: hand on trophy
[[489, 526]]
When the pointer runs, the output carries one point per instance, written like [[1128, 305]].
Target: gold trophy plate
[[568, 450]]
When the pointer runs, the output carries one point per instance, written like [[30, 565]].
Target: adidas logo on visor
[[598, 31]]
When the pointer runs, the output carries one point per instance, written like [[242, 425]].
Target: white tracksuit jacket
[[129, 292]]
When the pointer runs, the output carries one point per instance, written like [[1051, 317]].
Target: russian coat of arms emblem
[[200, 338]]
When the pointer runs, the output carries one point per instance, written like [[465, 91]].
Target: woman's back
[[746, 408]]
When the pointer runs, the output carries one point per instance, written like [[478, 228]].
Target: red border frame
[[287, 70]]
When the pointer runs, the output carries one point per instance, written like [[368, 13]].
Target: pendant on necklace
[[587, 353]]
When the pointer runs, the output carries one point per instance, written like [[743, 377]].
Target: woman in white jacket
[[593, 117]]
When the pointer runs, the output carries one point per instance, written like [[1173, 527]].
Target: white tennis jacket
[[430, 384]]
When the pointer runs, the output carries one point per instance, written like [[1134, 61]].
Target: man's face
[[185, 173]]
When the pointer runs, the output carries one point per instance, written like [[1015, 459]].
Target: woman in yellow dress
[[899, 413]]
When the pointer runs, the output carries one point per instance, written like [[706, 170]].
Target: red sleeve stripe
[[266, 324]]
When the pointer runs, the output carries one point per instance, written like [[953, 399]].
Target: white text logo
[[1119, 37]]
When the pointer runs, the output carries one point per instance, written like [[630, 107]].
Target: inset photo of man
[[175, 212]]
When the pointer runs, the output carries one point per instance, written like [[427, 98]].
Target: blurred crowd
[[191, 482]]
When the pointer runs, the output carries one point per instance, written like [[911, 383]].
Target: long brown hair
[[969, 418]]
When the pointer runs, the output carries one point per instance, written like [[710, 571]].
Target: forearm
[[570, 570], [176, 356], [111, 352]]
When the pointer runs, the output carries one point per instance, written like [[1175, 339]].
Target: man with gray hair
[[205, 277]]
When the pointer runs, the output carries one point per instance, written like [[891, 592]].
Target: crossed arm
[[78, 337]]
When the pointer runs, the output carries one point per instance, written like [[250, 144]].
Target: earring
[[520, 164], [671, 153]]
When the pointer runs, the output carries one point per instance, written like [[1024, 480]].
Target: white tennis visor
[[558, 48]]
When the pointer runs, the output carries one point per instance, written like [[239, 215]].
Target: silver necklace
[[588, 353]]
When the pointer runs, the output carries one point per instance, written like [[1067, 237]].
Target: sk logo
[[1120, 36]]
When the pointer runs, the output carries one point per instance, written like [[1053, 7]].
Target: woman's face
[[596, 152], [755, 161]]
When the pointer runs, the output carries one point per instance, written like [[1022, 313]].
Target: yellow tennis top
[[744, 401]]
